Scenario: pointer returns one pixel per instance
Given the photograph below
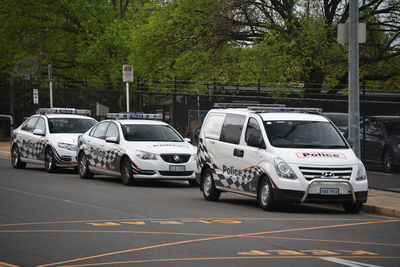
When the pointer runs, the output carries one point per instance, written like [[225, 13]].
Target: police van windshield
[[70, 125], [146, 133], [303, 134]]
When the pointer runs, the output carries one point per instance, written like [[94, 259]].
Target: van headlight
[[67, 146], [283, 169], [361, 172], [145, 155]]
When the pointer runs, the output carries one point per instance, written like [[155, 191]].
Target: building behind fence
[[183, 103]]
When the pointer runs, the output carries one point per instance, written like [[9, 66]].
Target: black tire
[[352, 208], [210, 192], [193, 183], [16, 158], [265, 195], [387, 161], [83, 167], [49, 161], [127, 172]]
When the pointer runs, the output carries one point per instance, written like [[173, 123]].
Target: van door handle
[[238, 153]]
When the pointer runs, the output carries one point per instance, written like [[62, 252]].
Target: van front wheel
[[265, 197], [352, 208], [210, 192]]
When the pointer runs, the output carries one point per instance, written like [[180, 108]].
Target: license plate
[[177, 168], [329, 191]]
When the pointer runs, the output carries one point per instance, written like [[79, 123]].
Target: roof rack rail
[[46, 111], [245, 105], [135, 115], [285, 109]]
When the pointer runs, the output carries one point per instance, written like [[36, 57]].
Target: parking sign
[[127, 73]]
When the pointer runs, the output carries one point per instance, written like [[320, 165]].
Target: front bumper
[[65, 158], [165, 175]]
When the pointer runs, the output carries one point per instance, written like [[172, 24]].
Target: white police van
[[278, 154], [136, 146], [50, 138]]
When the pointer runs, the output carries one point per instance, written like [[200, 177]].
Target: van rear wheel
[[265, 196], [210, 192]]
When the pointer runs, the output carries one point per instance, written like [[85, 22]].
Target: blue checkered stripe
[[246, 182]]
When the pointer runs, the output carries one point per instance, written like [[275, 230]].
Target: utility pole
[[354, 95]]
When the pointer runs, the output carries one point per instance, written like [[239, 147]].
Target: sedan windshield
[[70, 125], [304, 134], [139, 132]]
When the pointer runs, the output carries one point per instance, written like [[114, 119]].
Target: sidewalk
[[379, 202]]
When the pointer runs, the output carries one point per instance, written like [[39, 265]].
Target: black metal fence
[[183, 103]]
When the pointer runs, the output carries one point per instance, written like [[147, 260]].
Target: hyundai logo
[[328, 174], [177, 158]]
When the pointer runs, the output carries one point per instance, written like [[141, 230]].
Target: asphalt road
[[62, 220]]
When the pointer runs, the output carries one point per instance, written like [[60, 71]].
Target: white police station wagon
[[278, 154], [50, 138], [135, 147]]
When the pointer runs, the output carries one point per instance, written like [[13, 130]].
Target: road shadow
[[145, 184]]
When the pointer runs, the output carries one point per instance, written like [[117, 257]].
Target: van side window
[[214, 125], [232, 128], [253, 132]]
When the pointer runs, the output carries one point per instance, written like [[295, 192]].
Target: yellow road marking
[[331, 241], [7, 264], [100, 231], [217, 238], [226, 258], [243, 219]]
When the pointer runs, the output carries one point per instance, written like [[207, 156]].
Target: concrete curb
[[4, 154], [385, 211]]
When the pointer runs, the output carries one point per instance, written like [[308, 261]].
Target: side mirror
[[39, 132], [188, 140], [255, 142], [112, 139]]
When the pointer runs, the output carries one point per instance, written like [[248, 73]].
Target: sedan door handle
[[238, 153]]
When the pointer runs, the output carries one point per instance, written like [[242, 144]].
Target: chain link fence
[[183, 103]]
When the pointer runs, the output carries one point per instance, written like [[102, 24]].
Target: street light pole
[[354, 96]]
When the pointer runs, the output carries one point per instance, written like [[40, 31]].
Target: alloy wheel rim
[[388, 161], [82, 166], [49, 160], [207, 185], [15, 156], [264, 194], [126, 170]]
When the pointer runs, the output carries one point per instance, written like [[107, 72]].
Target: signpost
[[127, 77], [35, 96], [50, 75]]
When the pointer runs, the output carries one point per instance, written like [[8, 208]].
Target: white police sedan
[[136, 149], [50, 138]]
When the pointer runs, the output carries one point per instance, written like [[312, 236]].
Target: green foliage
[[233, 41]]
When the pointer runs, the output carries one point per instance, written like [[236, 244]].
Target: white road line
[[68, 201], [347, 262]]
